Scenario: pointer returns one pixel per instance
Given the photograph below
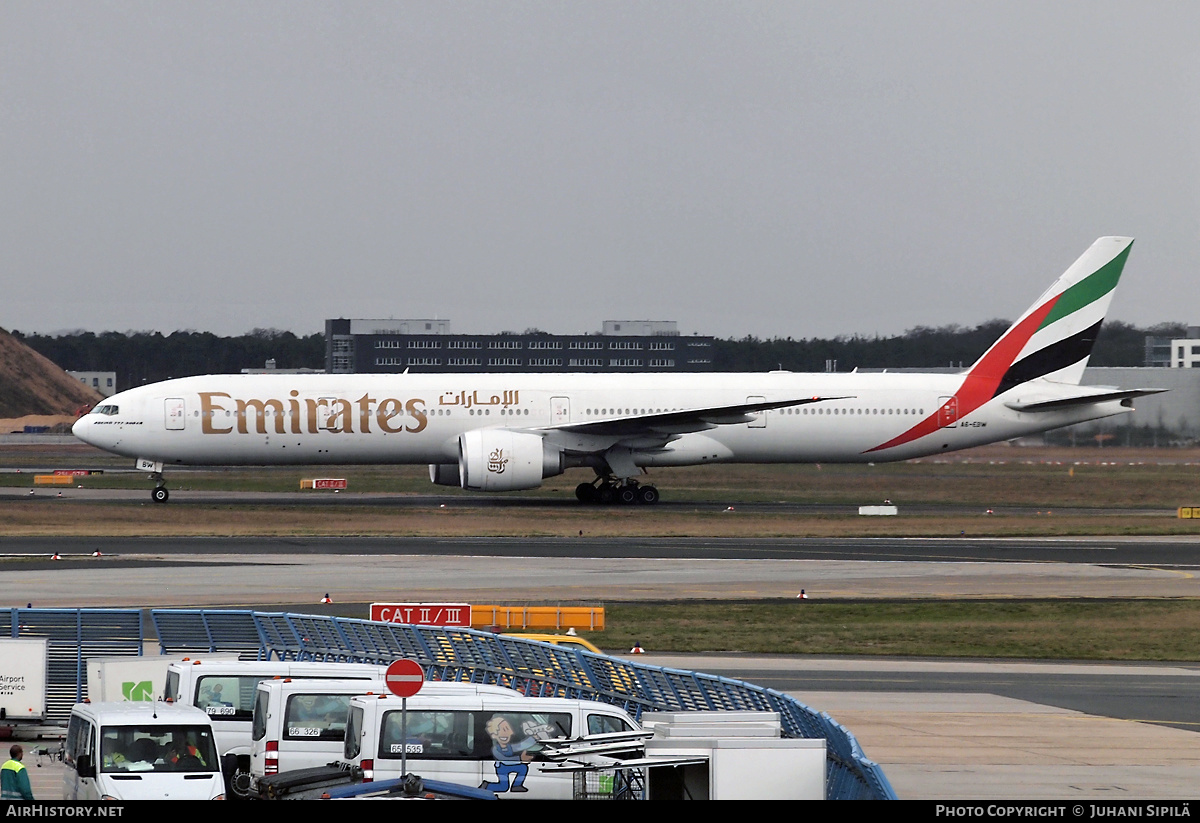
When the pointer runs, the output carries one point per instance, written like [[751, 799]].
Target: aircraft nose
[[81, 428]]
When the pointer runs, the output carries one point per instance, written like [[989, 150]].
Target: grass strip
[[1120, 630]]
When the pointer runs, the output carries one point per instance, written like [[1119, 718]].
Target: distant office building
[[1174, 353], [269, 368], [640, 328], [1185, 351], [383, 346], [104, 382], [1176, 411]]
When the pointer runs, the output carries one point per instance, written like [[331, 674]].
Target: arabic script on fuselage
[[462, 398]]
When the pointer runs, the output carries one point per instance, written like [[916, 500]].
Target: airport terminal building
[[429, 345]]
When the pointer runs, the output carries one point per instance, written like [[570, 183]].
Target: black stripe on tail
[[1065, 352]]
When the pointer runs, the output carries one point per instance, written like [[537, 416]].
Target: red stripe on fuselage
[[980, 384]]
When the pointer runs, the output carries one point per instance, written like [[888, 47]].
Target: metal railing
[[537, 669], [76, 635]]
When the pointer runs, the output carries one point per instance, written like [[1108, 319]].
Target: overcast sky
[[778, 169]]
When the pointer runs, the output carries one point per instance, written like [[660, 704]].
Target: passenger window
[[258, 728], [353, 734], [227, 698], [510, 734], [434, 735], [315, 716], [607, 724], [77, 740]]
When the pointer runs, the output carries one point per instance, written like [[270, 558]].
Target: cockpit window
[[108, 409]]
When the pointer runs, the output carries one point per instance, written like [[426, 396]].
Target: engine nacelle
[[499, 460], [444, 474]]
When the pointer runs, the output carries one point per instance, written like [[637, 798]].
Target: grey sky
[[782, 168]]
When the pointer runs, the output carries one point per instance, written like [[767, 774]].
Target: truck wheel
[[240, 784]]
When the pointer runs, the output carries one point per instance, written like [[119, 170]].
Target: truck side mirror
[[84, 766]]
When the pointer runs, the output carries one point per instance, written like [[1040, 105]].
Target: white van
[[225, 690], [483, 740], [140, 751], [300, 724]]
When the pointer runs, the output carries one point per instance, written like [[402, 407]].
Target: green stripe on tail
[[1089, 289]]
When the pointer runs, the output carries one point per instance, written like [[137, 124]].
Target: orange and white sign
[[423, 614]]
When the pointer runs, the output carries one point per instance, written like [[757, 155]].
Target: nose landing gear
[[160, 493]]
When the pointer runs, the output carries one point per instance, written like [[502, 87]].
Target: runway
[[563, 502], [297, 571], [1181, 552]]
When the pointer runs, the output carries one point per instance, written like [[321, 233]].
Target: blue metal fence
[[76, 635], [534, 668]]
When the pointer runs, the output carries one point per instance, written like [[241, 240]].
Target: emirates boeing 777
[[504, 432]]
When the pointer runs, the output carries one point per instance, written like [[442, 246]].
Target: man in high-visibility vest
[[14, 777]]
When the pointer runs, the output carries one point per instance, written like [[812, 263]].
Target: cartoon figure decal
[[512, 757]]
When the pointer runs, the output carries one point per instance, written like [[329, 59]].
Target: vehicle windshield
[[157, 749]]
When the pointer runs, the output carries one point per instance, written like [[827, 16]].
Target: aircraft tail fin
[[1053, 339]]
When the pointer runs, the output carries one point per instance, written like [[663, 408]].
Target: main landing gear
[[160, 493], [609, 490]]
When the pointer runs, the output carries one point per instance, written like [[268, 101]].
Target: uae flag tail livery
[[1050, 343]]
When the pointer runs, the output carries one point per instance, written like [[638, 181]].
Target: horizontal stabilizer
[[1083, 398]]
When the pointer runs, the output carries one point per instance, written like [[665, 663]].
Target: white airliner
[[503, 432]]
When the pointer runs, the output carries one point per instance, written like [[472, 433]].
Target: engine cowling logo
[[497, 461]]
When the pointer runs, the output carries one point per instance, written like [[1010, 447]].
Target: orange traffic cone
[[637, 649]]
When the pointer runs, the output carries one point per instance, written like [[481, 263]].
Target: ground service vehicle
[[299, 724], [567, 641], [24, 675], [483, 741], [140, 751], [225, 691]]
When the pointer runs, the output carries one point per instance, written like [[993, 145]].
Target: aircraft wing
[[656, 429], [1086, 396]]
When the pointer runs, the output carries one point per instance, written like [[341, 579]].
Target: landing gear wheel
[[160, 494], [606, 494], [627, 495], [647, 495], [585, 493]]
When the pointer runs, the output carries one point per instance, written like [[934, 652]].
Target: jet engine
[[499, 460], [444, 474]]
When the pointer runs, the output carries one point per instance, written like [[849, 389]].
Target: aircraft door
[[948, 412], [176, 413], [760, 418], [329, 414], [560, 410]]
